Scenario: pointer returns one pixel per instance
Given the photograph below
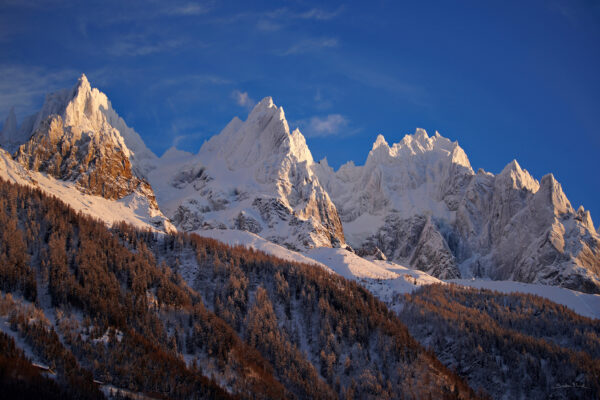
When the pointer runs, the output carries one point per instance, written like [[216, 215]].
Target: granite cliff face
[[512, 227], [401, 200], [421, 204]]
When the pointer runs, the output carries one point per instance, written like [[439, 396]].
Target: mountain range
[[417, 202], [250, 270]]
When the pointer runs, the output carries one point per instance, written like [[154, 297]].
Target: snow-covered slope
[[420, 203], [134, 208], [255, 176], [79, 140], [584, 304], [253, 241], [386, 280]]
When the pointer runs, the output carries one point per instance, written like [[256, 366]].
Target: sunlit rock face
[[255, 175], [421, 204], [77, 137]]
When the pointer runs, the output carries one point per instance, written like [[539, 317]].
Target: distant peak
[[174, 153], [551, 189], [83, 82], [348, 164], [265, 103], [518, 177], [82, 90], [585, 217], [232, 126], [83, 79], [380, 141], [421, 133], [548, 180], [512, 166]]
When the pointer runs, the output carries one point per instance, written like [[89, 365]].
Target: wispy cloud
[[31, 4], [316, 13], [185, 129], [188, 9], [189, 81], [320, 14], [576, 12], [242, 99], [181, 138], [309, 45], [330, 125], [274, 20], [320, 101], [373, 77], [142, 45], [143, 11], [567, 9], [5, 32], [24, 87], [267, 25]]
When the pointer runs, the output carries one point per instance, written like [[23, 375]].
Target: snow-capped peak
[[585, 217], [380, 141], [421, 134], [83, 81], [77, 136], [255, 175], [264, 104], [418, 146], [264, 136], [517, 177], [512, 166], [174, 153], [78, 142], [86, 110], [550, 192]]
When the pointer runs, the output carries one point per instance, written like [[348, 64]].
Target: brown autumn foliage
[[243, 324], [513, 345]]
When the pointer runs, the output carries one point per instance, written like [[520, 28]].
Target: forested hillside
[[111, 306], [513, 345]]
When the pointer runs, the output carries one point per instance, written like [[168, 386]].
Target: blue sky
[[507, 79]]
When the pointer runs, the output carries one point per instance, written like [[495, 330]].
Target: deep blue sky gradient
[[507, 79]]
